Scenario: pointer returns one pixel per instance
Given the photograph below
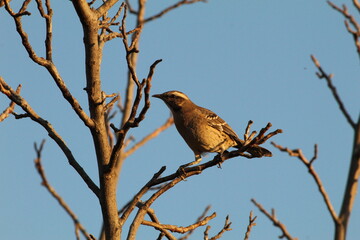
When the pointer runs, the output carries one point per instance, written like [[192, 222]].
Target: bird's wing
[[217, 122]]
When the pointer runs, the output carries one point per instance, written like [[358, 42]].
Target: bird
[[202, 129]]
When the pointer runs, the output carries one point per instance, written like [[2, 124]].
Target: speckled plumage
[[202, 129]]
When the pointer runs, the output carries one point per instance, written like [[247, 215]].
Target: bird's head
[[174, 99]]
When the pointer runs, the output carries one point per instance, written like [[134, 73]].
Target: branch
[[174, 228], [48, 19], [13, 96], [250, 225], [172, 7], [201, 217], [195, 170], [357, 4], [308, 164], [353, 179], [149, 137], [275, 221], [225, 228], [105, 7], [132, 204], [153, 217], [10, 108], [47, 63], [179, 176], [51, 190], [133, 121], [130, 49], [350, 20], [322, 74]]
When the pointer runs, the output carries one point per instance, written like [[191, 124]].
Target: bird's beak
[[157, 96]]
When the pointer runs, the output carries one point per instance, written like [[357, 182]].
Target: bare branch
[[13, 96], [174, 228], [201, 217], [51, 190], [48, 19], [47, 63], [357, 4], [352, 182], [172, 7], [133, 121], [225, 228], [350, 20], [174, 179], [131, 10], [322, 74], [104, 8], [130, 207], [275, 221], [10, 108], [298, 153], [164, 232], [206, 232], [129, 49], [250, 225], [150, 136]]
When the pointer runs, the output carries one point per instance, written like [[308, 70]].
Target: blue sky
[[242, 59]]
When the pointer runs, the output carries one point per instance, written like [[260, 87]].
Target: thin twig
[[172, 7], [250, 225], [275, 221], [133, 121], [13, 96], [350, 20], [225, 228], [46, 62], [10, 108], [163, 232], [202, 216], [174, 228], [51, 190], [322, 74], [150, 136], [309, 165]]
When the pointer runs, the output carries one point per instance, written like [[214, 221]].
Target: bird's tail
[[258, 151], [255, 151]]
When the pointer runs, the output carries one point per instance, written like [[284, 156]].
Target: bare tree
[[100, 25], [342, 218]]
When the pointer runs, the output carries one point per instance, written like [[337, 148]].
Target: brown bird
[[202, 129]]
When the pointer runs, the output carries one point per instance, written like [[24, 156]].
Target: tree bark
[[351, 187]]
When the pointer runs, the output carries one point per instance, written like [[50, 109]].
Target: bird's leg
[[197, 160], [220, 156], [182, 167]]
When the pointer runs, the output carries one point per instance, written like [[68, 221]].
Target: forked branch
[[322, 74], [351, 24], [308, 164], [10, 108], [272, 217], [174, 228], [171, 180], [250, 225], [133, 120], [52, 191], [224, 229], [46, 62], [15, 97], [172, 7]]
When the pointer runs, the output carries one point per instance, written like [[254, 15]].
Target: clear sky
[[244, 60]]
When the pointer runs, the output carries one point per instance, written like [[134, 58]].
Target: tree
[[341, 219], [100, 107], [109, 141]]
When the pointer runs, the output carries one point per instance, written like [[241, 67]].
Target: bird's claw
[[181, 172]]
